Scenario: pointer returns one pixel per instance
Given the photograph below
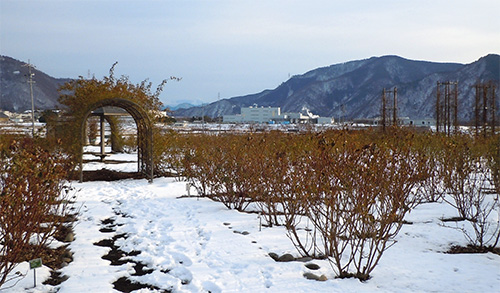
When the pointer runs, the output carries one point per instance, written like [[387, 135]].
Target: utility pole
[[384, 110], [438, 107], [447, 107], [31, 82], [342, 120], [485, 108], [203, 116], [395, 107]]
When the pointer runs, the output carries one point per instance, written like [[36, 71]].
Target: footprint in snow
[[210, 287], [266, 274], [181, 258]]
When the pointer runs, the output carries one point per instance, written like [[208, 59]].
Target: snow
[[197, 245], [122, 162]]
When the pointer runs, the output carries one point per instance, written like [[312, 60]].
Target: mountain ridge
[[350, 89], [356, 87], [14, 88]]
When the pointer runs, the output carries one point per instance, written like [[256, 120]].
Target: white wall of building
[[268, 114], [418, 122], [232, 118], [260, 114], [325, 120]]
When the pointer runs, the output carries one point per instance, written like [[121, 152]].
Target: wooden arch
[[144, 133]]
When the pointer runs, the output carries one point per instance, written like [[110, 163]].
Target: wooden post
[[476, 110], [455, 107], [383, 110], [485, 109], [493, 108], [438, 107], [395, 105], [103, 138]]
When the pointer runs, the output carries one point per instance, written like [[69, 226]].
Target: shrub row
[[34, 199], [342, 194]]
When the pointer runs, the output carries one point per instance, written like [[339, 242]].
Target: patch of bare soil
[[56, 278], [124, 284], [118, 257], [55, 259], [107, 175], [453, 219], [456, 249]]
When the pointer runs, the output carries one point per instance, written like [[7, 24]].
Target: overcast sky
[[238, 47]]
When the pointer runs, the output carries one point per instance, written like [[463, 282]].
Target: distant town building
[[254, 115], [325, 120], [3, 117], [260, 115], [403, 121], [273, 115], [418, 122]]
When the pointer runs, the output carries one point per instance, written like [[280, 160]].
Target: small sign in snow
[[35, 263]]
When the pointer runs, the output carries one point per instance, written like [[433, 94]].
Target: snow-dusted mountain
[[15, 90], [179, 106], [354, 87], [357, 86]]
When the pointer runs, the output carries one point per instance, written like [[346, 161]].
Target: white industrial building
[[262, 114], [254, 115], [418, 122], [402, 121]]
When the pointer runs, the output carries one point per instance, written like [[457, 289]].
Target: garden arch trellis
[[144, 132]]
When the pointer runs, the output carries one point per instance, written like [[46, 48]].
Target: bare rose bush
[[343, 194], [35, 200]]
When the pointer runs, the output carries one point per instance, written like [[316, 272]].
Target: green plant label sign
[[35, 263]]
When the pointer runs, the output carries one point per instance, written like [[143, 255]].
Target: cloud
[[238, 47]]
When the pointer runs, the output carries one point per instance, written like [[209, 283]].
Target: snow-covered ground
[[197, 245], [120, 162]]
